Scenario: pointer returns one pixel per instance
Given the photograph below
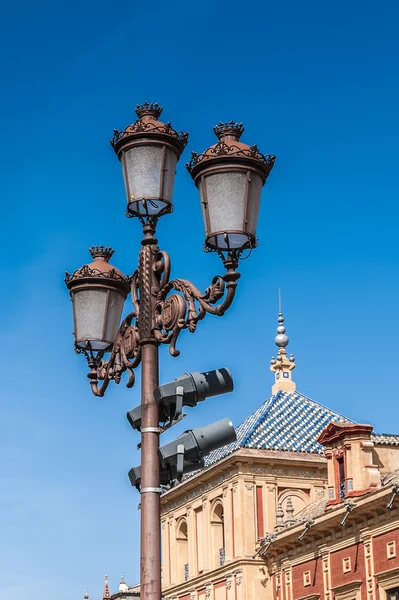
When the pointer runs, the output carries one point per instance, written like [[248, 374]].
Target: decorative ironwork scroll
[[162, 309]]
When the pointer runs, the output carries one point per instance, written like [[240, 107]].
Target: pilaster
[[192, 571], [239, 585], [228, 524], [369, 564], [249, 516]]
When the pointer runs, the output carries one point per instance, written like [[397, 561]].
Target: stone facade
[[212, 521]]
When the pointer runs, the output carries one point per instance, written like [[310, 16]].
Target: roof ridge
[[322, 406]]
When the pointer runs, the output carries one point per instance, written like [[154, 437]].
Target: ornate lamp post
[[230, 176]]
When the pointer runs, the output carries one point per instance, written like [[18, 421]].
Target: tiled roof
[[385, 439], [286, 421]]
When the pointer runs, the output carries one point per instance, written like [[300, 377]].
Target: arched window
[[182, 550], [218, 541]]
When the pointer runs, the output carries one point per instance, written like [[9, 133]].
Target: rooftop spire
[[86, 596], [106, 592], [282, 365], [123, 587]]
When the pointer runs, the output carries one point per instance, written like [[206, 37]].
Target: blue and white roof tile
[[286, 421], [289, 422]]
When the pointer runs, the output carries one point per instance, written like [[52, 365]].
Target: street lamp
[[229, 176]]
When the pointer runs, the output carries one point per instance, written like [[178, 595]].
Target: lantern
[[98, 291], [230, 176], [149, 151]]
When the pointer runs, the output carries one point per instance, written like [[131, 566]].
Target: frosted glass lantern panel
[[202, 200], [89, 306], [114, 312], [142, 171], [225, 195], [255, 189], [169, 174]]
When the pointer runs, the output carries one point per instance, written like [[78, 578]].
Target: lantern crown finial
[[149, 111], [103, 252], [229, 130]]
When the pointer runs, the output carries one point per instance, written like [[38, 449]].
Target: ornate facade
[[220, 525]]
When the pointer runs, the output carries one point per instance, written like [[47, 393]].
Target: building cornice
[[371, 510], [230, 569], [241, 462]]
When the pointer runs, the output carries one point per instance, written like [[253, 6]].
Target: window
[[391, 550], [341, 478], [346, 565], [393, 594], [182, 550], [217, 524]]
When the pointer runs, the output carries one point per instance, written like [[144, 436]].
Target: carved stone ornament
[[287, 472], [238, 579], [198, 491], [229, 582], [208, 592]]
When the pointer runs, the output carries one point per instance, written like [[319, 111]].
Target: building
[[295, 509], [230, 531], [349, 549], [125, 592]]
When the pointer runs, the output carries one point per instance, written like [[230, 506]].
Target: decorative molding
[[387, 579], [347, 590], [290, 472], [198, 491]]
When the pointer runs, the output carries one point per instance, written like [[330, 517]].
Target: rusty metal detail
[[86, 271], [148, 115], [162, 309], [223, 149]]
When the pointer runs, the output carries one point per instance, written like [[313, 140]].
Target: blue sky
[[314, 83]]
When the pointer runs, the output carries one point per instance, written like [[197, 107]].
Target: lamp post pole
[[230, 176], [150, 525]]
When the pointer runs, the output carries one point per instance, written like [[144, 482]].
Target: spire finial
[[106, 592], [281, 340], [279, 517], [282, 366], [289, 510], [122, 585], [86, 596]]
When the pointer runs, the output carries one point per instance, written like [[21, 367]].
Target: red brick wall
[[358, 568], [381, 562], [316, 579]]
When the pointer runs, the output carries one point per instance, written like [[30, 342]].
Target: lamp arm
[[176, 312], [125, 356], [159, 314]]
